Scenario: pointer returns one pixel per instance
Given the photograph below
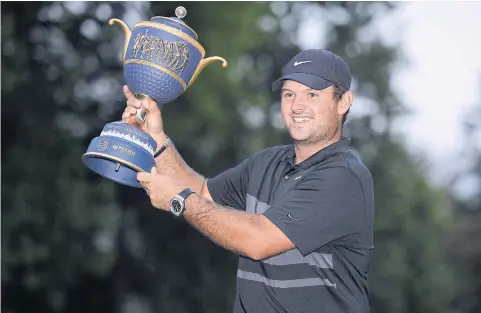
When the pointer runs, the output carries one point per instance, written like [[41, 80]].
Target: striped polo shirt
[[325, 206]]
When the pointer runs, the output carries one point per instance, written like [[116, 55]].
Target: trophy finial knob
[[180, 12]]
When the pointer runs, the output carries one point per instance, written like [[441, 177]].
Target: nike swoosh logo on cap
[[298, 63]]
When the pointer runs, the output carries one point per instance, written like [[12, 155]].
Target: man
[[299, 216]]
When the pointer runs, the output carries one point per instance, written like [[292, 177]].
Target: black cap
[[316, 68]]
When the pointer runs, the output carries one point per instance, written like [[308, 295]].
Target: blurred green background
[[74, 242]]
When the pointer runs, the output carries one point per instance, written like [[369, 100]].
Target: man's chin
[[299, 138]]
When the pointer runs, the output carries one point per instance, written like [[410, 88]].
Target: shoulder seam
[[362, 188], [348, 167]]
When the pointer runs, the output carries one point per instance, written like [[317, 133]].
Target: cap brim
[[309, 80]]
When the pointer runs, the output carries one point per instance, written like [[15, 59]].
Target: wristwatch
[[177, 204]]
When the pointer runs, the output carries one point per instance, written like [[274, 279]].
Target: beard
[[321, 133]]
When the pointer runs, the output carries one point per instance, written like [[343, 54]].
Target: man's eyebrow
[[308, 89]]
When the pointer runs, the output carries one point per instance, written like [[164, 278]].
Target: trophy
[[161, 59]]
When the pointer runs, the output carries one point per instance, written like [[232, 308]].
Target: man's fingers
[[133, 102], [128, 94], [144, 177], [130, 110], [130, 119], [150, 106], [129, 115]]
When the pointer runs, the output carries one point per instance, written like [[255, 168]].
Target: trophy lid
[[177, 22]]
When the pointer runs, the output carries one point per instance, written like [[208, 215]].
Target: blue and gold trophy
[[161, 59]]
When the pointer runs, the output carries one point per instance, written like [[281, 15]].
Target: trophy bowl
[[161, 59]]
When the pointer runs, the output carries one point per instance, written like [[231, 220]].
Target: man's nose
[[298, 104]]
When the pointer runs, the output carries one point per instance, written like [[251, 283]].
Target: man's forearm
[[171, 163], [237, 231]]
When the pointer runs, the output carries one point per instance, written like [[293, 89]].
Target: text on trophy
[[173, 55]]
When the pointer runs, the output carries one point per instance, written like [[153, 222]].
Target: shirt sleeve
[[326, 206], [229, 188]]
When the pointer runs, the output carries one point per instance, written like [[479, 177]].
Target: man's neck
[[305, 151]]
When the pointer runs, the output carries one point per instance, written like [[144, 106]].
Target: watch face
[[176, 206]]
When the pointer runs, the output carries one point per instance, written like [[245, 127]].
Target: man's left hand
[[160, 188]]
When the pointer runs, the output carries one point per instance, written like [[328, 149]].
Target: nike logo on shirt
[[289, 215]]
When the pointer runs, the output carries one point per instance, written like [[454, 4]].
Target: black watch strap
[[185, 193], [164, 146]]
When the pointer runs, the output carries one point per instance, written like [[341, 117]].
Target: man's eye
[[312, 95], [288, 95]]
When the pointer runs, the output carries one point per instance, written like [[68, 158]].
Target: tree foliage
[[74, 242]]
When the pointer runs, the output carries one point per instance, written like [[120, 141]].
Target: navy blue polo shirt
[[325, 206]]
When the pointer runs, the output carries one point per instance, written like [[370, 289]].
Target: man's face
[[311, 115]]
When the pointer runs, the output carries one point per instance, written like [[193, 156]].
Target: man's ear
[[345, 103]]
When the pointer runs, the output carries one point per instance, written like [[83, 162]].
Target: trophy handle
[[127, 33], [203, 64]]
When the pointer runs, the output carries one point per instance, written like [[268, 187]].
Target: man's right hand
[[153, 124], [171, 164]]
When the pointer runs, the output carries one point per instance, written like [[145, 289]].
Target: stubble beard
[[322, 134]]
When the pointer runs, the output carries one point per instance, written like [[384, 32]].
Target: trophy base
[[119, 153], [114, 169]]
